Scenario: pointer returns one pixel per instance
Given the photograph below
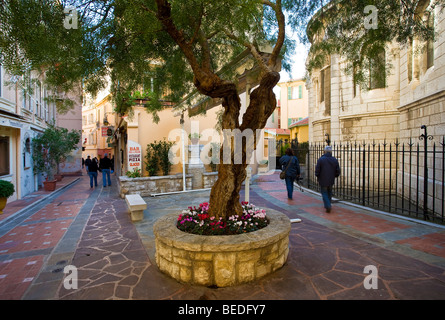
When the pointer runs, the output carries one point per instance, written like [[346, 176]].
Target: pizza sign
[[134, 152]]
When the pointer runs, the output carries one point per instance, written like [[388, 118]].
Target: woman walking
[[290, 164]]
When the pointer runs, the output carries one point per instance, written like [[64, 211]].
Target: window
[[377, 71], [38, 98], [295, 92], [4, 156], [354, 82], [430, 43], [321, 85]]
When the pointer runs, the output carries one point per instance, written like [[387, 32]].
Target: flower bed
[[196, 220]]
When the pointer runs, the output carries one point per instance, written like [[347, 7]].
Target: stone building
[[390, 111]]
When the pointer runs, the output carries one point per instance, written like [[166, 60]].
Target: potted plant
[[194, 137], [49, 149], [6, 190]]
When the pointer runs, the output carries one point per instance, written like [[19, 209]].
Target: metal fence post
[[425, 137]]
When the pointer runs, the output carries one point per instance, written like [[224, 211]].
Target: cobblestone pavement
[[91, 230]]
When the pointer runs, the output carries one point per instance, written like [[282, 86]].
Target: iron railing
[[402, 178]]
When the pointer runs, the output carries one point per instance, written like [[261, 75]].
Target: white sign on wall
[[134, 152]]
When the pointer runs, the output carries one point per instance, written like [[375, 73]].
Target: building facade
[[388, 109], [23, 115], [399, 119], [293, 99], [97, 118]]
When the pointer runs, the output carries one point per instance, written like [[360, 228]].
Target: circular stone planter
[[221, 261]]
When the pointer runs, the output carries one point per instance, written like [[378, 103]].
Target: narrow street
[[91, 230]]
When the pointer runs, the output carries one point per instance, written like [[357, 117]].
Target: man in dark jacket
[[105, 167], [92, 172], [87, 163], [292, 172], [326, 171]]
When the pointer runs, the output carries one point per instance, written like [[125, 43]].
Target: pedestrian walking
[[87, 163], [92, 172], [290, 164], [326, 170], [105, 167]]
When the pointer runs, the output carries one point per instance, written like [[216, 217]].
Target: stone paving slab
[[327, 256]]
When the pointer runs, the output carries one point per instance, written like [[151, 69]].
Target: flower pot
[[2, 203], [49, 185]]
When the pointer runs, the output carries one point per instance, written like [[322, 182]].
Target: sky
[[298, 69]]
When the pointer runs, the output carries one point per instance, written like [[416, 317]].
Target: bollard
[[247, 185]]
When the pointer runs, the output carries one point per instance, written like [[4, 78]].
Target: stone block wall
[[145, 186], [209, 179], [221, 261]]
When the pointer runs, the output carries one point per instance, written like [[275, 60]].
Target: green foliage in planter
[[6, 189], [52, 147], [157, 157], [135, 174], [165, 147], [152, 158]]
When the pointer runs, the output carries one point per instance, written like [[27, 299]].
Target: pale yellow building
[[300, 130], [293, 102], [142, 129]]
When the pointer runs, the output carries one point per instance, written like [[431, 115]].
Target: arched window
[[429, 52], [377, 70]]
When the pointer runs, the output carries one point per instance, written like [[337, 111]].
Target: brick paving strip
[[29, 231]]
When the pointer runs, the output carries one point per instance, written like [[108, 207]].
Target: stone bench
[[136, 205]]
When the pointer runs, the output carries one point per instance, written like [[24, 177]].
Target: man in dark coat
[[105, 167], [326, 171], [292, 172], [92, 172], [87, 163]]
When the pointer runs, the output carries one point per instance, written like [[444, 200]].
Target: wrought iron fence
[[402, 178], [300, 149]]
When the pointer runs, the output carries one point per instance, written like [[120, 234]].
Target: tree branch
[[253, 50], [281, 31], [206, 81]]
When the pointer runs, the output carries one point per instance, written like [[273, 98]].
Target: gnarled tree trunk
[[224, 197]]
